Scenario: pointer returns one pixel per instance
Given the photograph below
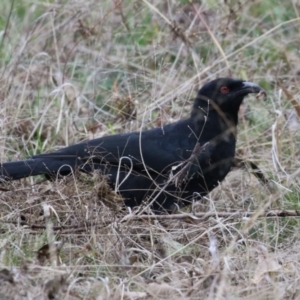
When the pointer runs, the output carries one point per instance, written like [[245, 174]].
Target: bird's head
[[225, 94]]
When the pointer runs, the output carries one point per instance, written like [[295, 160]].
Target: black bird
[[167, 166]]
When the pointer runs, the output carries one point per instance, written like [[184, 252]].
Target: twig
[[186, 165], [183, 216], [5, 33], [230, 215], [291, 98]]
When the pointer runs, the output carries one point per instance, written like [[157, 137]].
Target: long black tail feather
[[36, 166]]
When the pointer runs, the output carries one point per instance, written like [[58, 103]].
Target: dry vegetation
[[72, 70]]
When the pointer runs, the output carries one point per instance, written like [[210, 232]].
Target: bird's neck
[[209, 122], [204, 109]]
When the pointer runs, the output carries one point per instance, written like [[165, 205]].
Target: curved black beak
[[251, 87]]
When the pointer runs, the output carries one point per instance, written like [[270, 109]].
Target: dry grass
[[72, 70]]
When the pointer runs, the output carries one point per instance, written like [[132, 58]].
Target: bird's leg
[[244, 164]]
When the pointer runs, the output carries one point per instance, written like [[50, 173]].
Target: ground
[[75, 70]]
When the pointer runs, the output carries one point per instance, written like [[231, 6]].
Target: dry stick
[[290, 97], [181, 175], [183, 216], [230, 215], [212, 37], [4, 35]]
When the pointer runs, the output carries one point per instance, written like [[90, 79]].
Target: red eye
[[224, 89]]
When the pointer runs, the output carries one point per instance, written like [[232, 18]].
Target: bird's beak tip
[[255, 88]]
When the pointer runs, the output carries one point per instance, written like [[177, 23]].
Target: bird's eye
[[224, 89]]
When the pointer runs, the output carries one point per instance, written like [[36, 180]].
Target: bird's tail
[[36, 166]]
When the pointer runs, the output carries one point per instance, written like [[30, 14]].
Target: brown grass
[[74, 70]]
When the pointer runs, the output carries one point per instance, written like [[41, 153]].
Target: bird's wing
[[155, 149]]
